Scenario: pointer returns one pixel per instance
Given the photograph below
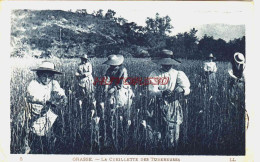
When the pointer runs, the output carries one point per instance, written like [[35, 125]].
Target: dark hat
[[166, 61], [114, 60], [85, 57], [166, 58], [47, 66], [211, 56]]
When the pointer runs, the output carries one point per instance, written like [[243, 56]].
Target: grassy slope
[[35, 31]]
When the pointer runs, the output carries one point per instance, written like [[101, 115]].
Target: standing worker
[[166, 98], [120, 94], [210, 69], [119, 98], [46, 101], [84, 75]]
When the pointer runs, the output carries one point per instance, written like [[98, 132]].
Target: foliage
[[69, 34], [221, 49]]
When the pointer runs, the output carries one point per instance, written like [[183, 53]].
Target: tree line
[[102, 33]]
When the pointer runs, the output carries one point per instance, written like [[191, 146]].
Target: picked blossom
[[159, 135], [129, 122], [80, 103], [70, 92], [97, 119], [138, 110], [92, 113], [121, 118], [102, 104], [144, 123], [111, 100], [94, 103]]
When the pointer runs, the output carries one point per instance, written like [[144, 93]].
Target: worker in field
[[210, 69], [85, 95], [165, 99], [236, 76], [236, 95], [119, 95], [45, 102], [85, 78]]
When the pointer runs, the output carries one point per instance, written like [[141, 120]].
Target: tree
[[99, 13], [236, 45], [110, 14], [156, 32], [159, 25], [184, 45], [209, 45], [121, 21]]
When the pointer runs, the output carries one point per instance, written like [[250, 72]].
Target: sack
[[43, 125], [124, 97]]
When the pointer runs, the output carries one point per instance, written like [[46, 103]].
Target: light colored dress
[[123, 95], [176, 79], [210, 69], [170, 112], [37, 95], [84, 74]]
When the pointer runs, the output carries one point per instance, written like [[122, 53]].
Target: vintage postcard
[[127, 81]]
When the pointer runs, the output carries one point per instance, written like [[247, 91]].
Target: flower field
[[213, 124]]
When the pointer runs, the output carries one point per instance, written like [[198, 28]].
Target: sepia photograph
[[132, 78]]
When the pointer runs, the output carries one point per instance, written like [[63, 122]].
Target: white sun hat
[[239, 58], [47, 66]]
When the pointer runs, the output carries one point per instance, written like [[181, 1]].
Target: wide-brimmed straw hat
[[114, 60], [166, 58], [84, 57], [239, 58], [47, 66], [211, 56]]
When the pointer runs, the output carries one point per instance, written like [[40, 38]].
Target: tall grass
[[212, 125]]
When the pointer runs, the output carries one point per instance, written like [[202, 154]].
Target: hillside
[[57, 33], [224, 31], [60, 33]]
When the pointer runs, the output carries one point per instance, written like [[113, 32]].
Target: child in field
[[166, 99], [210, 69], [45, 103]]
